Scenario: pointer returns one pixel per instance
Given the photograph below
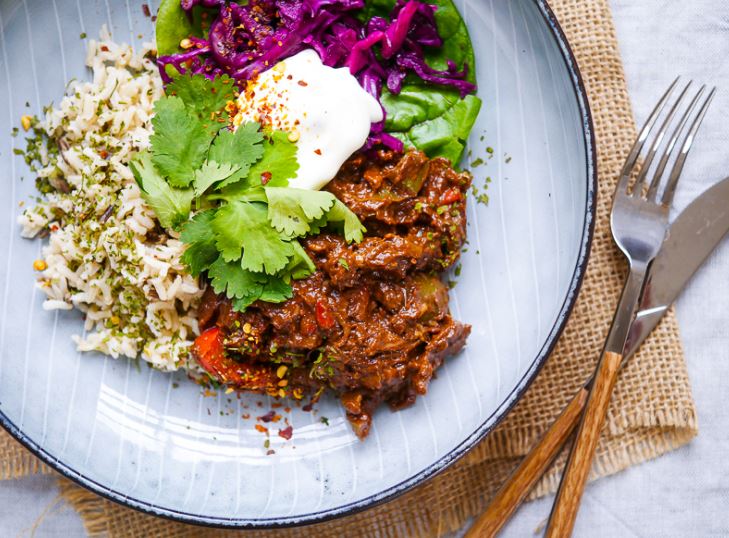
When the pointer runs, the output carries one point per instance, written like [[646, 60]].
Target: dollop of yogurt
[[324, 110]]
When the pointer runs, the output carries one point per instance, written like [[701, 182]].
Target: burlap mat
[[651, 413]]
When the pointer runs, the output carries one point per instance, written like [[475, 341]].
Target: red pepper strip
[[324, 316], [450, 196], [209, 351]]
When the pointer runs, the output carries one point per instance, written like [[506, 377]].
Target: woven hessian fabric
[[651, 412]]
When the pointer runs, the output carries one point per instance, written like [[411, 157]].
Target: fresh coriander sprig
[[227, 193]]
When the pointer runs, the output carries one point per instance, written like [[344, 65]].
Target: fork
[[639, 220]]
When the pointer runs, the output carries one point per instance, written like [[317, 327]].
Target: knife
[[696, 232], [691, 238]]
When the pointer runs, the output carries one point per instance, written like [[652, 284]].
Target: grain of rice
[[137, 298]]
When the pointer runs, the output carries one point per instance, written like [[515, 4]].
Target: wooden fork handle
[[532, 467], [564, 511]]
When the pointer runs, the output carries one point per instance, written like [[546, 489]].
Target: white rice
[[136, 296]]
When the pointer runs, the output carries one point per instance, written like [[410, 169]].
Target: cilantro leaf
[[300, 265], [344, 219], [298, 212], [246, 287], [198, 229], [240, 305], [239, 192], [237, 283], [241, 148], [179, 143], [172, 206], [291, 210], [204, 98], [279, 160], [244, 226], [211, 173], [199, 257], [201, 250], [276, 291]]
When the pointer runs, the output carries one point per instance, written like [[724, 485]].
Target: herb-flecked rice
[[106, 254]]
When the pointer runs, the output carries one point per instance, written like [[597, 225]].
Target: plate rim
[[457, 452]]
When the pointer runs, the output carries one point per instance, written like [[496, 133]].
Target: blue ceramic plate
[[133, 438]]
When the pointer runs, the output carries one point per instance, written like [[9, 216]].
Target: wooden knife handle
[[532, 467], [564, 511]]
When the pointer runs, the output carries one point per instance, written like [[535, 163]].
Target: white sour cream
[[324, 110]]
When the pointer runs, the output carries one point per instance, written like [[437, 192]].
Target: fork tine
[[681, 159], [656, 181], [632, 157], [640, 181]]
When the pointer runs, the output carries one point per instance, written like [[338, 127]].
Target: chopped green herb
[[324, 420], [344, 264], [247, 236]]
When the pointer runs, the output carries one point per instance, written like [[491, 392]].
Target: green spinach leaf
[[173, 25], [434, 120], [431, 118]]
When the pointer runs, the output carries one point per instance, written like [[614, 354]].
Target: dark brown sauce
[[372, 324]]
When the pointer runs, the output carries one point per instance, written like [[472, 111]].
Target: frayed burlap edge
[[16, 461], [651, 413]]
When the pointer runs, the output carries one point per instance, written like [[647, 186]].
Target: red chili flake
[[270, 452], [324, 316], [246, 416], [302, 83], [146, 11], [450, 196], [308, 407], [104, 48], [286, 433], [287, 409], [308, 325], [268, 417], [104, 154], [265, 177], [276, 405], [317, 151], [261, 429]]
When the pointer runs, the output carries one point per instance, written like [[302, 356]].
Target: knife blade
[[691, 238], [694, 235]]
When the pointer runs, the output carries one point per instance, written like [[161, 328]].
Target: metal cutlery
[[691, 238], [639, 221]]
